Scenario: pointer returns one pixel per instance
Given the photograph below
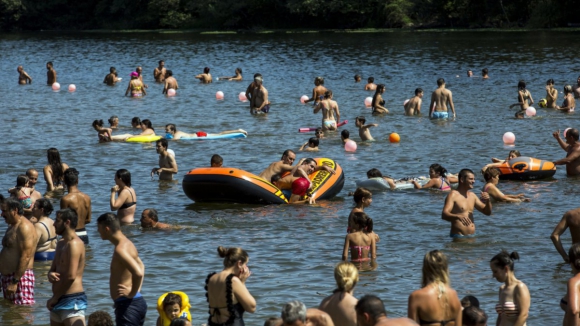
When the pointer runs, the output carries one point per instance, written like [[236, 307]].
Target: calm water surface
[[293, 248]]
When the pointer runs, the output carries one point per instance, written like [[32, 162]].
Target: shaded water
[[293, 248]]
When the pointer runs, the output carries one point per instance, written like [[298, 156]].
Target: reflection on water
[[293, 248]]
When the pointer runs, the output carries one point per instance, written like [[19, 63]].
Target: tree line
[[284, 14]]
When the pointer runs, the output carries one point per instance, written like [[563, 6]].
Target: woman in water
[[360, 240], [570, 302], [439, 179], [329, 109], [227, 295], [45, 231], [146, 130], [54, 170], [114, 122], [491, 176], [497, 162], [22, 192], [136, 86], [524, 97], [362, 198], [436, 303], [237, 77], [136, 123], [105, 134], [318, 91], [569, 103], [514, 297], [340, 304], [375, 173], [551, 94], [126, 202], [378, 102]]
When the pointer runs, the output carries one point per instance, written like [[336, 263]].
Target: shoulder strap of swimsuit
[[46, 227]]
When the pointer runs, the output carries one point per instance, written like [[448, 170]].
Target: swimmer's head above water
[[136, 122], [360, 120], [357, 78], [522, 85], [440, 82], [374, 173], [318, 81], [216, 161], [288, 157]]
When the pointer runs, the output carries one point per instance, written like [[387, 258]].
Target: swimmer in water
[[375, 173], [259, 102], [114, 122], [237, 77], [150, 220], [216, 161], [170, 82], [251, 87], [362, 198], [54, 170], [360, 240], [363, 130], [345, 136], [319, 133], [329, 109], [23, 77], [497, 162], [159, 72], [171, 132], [50, 74], [125, 202], [318, 91], [491, 177], [136, 123], [370, 86], [551, 94], [135, 87], [440, 180], [139, 70], [205, 77], [413, 106], [569, 103], [576, 89], [357, 78], [524, 97], [312, 144], [378, 104], [469, 73], [22, 192], [111, 78], [78, 201], [440, 98], [105, 134], [146, 130], [485, 73], [167, 164]]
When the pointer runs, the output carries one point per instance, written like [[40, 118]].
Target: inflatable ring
[[184, 313], [526, 168], [143, 139], [44, 255]]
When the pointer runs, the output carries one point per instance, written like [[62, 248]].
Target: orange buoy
[[394, 138]]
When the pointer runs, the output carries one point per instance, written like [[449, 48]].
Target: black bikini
[[442, 322], [236, 311], [127, 205]]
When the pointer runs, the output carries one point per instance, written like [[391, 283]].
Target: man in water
[[469, 73], [78, 201], [171, 132], [259, 101], [170, 82], [127, 274], [23, 77], [216, 161], [572, 147], [370, 311], [139, 71], [167, 164], [150, 219], [32, 175], [413, 106], [571, 219], [576, 89], [250, 89], [279, 167], [50, 74], [459, 205], [17, 255], [484, 73], [439, 100], [68, 302], [298, 180], [294, 313], [111, 78], [159, 72], [205, 77]]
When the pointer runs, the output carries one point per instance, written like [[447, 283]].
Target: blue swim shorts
[[440, 115]]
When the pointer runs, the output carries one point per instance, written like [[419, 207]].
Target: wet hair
[[171, 299], [152, 214], [319, 80], [439, 169], [346, 276], [112, 119], [125, 176], [45, 205], [53, 157], [313, 141], [473, 315], [418, 91], [168, 73], [232, 255], [371, 305], [504, 259], [308, 161], [361, 193], [13, 204], [109, 220], [112, 69], [294, 311], [178, 322], [272, 321], [257, 75], [71, 177], [469, 301], [490, 173], [286, 152], [357, 77], [49, 63], [363, 221], [371, 79], [440, 81], [435, 269], [275, 178], [380, 88], [136, 121], [327, 94], [147, 124], [374, 173], [160, 61], [68, 214], [574, 255], [239, 70], [361, 119], [484, 71], [318, 130], [515, 152], [21, 181], [97, 123], [550, 82], [573, 133], [163, 143], [463, 174], [171, 127], [206, 70], [568, 89], [100, 318], [522, 84], [216, 159], [345, 134]]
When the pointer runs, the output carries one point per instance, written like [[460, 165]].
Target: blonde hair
[[346, 276], [435, 269], [232, 255]]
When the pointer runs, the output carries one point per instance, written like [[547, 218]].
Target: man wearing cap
[[259, 102]]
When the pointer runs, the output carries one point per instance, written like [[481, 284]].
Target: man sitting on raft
[[298, 179], [171, 132], [279, 167]]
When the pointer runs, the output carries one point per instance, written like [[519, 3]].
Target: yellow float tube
[[184, 313]]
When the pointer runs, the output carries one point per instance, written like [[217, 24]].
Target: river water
[[293, 248]]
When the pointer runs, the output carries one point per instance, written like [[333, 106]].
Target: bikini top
[[235, 310], [441, 322], [444, 185], [49, 240], [508, 308], [127, 205]]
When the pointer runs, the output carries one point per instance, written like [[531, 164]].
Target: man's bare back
[[81, 203], [125, 259], [413, 106], [571, 220]]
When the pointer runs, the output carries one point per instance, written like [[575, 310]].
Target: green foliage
[[10, 13]]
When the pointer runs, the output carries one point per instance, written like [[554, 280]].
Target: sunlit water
[[293, 248]]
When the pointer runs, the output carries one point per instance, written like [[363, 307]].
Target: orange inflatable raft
[[239, 186], [526, 168]]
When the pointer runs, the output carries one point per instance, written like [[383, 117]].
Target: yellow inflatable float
[[143, 139], [184, 313]]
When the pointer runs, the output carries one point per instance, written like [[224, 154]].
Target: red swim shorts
[[201, 134], [300, 186], [24, 292]]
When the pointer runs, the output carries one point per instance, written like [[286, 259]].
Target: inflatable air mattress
[[143, 139], [216, 136], [379, 184]]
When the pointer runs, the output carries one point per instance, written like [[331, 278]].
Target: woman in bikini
[[45, 231], [340, 304], [136, 86], [491, 176], [329, 108], [551, 94], [104, 134], [360, 240], [362, 198], [569, 103], [514, 296], [237, 77], [318, 91], [440, 180], [378, 102], [571, 316], [436, 303], [126, 202], [524, 97], [227, 295], [54, 170]]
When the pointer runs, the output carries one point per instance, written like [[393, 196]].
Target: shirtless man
[[150, 220], [294, 313], [259, 101], [32, 175], [440, 98], [50, 74], [159, 72], [279, 167], [571, 219], [111, 78], [68, 302], [171, 132], [370, 311], [139, 71], [170, 81], [205, 78], [17, 255], [469, 73], [459, 205], [413, 106], [572, 147], [167, 164], [298, 179], [484, 73], [370, 86], [127, 274], [77, 200], [318, 91], [576, 89], [250, 89], [23, 77]]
